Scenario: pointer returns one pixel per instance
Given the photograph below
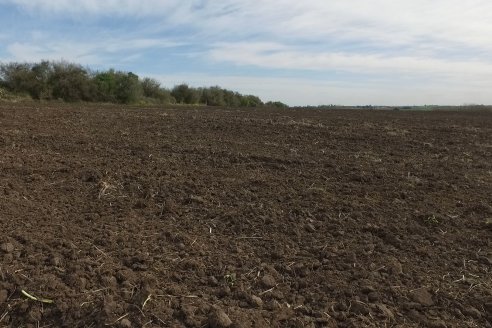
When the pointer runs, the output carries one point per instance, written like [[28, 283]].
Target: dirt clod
[[373, 297], [4, 294], [268, 281], [310, 227], [436, 324], [7, 247], [422, 296], [386, 312], [472, 312], [256, 301], [488, 307], [359, 308], [368, 289], [218, 318], [125, 323], [395, 266]]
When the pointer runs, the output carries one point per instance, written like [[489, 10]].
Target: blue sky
[[310, 52]]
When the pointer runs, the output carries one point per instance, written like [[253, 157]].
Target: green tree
[[40, 87], [250, 101], [213, 96], [105, 86], [232, 99], [16, 76], [185, 95], [27, 78], [70, 82], [152, 89], [276, 104], [128, 88]]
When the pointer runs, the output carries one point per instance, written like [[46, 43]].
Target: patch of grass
[[432, 220], [230, 279]]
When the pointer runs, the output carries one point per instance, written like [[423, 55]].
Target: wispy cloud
[[292, 58], [94, 7], [89, 53], [378, 21]]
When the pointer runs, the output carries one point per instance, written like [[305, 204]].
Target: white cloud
[[394, 22], [94, 7], [87, 53], [32, 53], [401, 24], [282, 57]]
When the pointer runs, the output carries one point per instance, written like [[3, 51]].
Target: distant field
[[204, 217]]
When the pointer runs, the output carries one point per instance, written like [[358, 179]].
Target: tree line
[[49, 80]]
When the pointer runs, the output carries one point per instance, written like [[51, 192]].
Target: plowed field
[[128, 217]]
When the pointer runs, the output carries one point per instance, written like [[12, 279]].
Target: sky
[[310, 52]]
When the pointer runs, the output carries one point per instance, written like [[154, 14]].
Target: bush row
[[70, 82]]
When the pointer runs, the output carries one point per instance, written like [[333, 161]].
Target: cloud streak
[[292, 58], [379, 21], [88, 53]]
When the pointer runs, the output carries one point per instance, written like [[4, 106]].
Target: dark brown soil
[[244, 218]]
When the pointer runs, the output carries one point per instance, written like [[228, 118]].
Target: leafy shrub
[[71, 82], [276, 104]]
